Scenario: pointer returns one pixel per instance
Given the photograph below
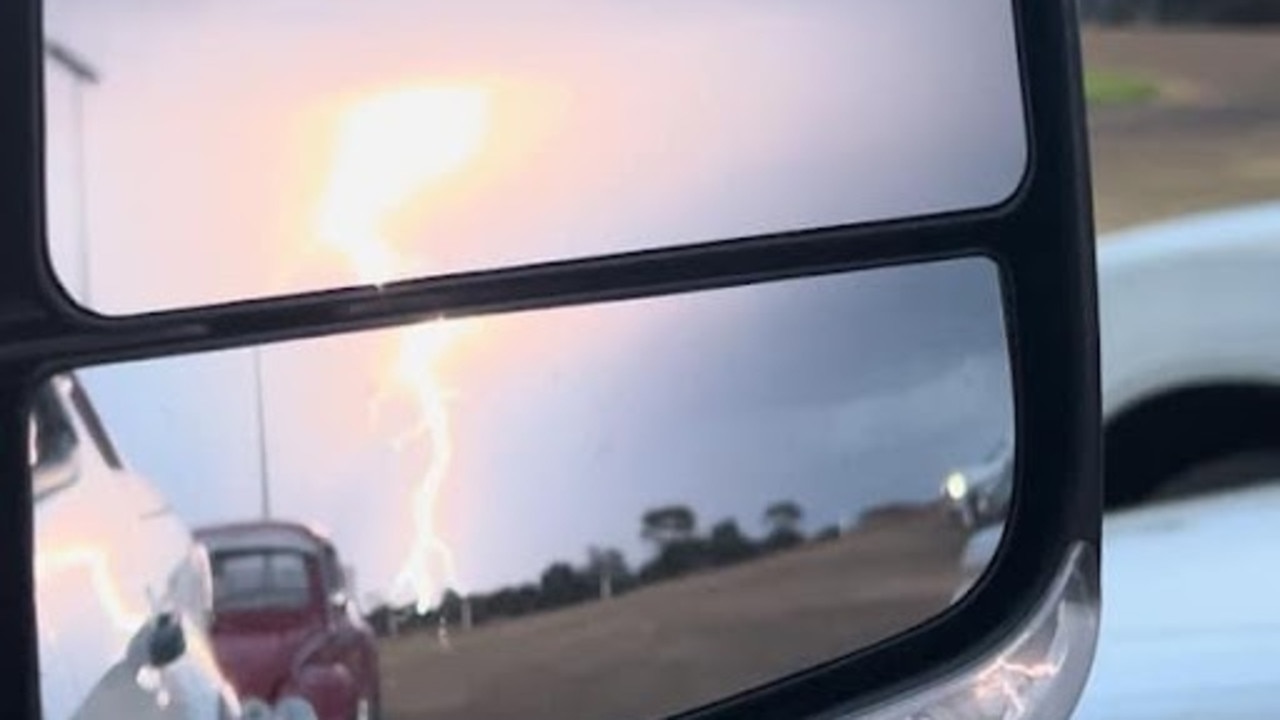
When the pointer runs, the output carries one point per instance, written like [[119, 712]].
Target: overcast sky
[[212, 148]]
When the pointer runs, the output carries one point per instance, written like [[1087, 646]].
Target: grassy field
[[1105, 88], [679, 644]]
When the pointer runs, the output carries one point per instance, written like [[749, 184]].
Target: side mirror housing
[[907, 181]]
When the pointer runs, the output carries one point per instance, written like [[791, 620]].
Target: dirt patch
[[1211, 138], [682, 643]]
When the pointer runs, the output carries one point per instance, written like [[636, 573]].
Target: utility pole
[[264, 477]]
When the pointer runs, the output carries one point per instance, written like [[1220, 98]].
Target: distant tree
[[783, 520], [450, 606], [381, 618], [562, 585], [783, 515], [727, 544], [1180, 11], [676, 559], [414, 620], [609, 569], [672, 529], [509, 602], [668, 525], [527, 598], [827, 534]]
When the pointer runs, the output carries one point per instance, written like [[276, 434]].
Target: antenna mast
[[264, 477]]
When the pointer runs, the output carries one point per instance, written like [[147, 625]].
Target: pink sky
[[614, 125]]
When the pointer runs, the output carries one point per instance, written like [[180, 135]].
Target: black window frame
[[1041, 238], [46, 400], [81, 408]]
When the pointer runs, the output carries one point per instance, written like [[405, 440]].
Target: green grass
[[1103, 87]]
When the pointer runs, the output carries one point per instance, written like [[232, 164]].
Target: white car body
[[1191, 607], [1191, 301], [1191, 611], [110, 558]]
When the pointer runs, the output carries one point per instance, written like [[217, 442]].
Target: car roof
[[262, 535]]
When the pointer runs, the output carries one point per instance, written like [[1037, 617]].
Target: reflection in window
[[52, 444], [642, 505]]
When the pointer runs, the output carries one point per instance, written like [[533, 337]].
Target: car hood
[[1190, 626]]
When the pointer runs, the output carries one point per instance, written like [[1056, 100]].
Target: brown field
[[1212, 139], [678, 644]]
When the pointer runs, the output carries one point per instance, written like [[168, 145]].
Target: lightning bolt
[[1010, 680], [391, 148]]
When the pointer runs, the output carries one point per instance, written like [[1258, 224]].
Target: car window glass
[[260, 581]]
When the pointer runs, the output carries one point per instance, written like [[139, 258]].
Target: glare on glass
[[607, 511], [232, 149]]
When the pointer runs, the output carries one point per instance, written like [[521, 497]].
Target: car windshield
[[260, 580]]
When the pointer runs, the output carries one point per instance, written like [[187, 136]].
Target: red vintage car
[[284, 623]]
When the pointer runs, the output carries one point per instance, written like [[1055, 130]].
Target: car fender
[[1209, 277], [329, 687]]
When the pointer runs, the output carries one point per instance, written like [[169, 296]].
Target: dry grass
[[682, 643], [1210, 139], [1105, 88]]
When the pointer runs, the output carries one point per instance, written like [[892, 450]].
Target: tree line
[[678, 547], [1180, 11]]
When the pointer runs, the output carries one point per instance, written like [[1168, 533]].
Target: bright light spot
[[95, 562], [391, 149], [148, 679], [957, 486], [1008, 685]]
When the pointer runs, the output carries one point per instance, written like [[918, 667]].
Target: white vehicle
[[1190, 332], [123, 593]]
